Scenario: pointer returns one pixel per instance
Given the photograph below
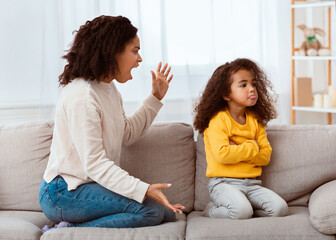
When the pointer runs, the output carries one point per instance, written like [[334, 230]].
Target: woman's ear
[[226, 98]]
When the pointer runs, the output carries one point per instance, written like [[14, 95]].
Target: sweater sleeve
[[223, 152], [84, 121], [137, 124], [265, 149]]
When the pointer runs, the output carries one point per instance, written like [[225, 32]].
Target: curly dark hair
[[219, 85], [93, 52]]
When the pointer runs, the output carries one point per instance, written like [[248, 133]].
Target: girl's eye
[[244, 85]]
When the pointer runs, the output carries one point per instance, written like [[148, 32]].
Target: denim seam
[[87, 199], [59, 210], [42, 192]]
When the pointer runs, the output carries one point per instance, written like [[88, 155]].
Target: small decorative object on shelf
[[303, 91], [318, 100], [332, 94], [311, 46], [326, 101]]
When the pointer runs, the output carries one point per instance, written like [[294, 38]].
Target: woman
[[83, 186]]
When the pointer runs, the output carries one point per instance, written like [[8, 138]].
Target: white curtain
[[193, 36]]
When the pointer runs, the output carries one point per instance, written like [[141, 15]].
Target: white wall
[[21, 51]]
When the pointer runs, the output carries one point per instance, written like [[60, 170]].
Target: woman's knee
[[153, 212]]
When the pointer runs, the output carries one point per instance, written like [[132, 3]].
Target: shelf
[[314, 4], [314, 57], [328, 7], [315, 109]]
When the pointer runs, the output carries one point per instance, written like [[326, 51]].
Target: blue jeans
[[91, 205]]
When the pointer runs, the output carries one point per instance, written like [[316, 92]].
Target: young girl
[[232, 114]]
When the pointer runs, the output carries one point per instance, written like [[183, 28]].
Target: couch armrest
[[322, 208]]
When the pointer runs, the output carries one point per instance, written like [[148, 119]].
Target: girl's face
[[243, 90], [128, 59]]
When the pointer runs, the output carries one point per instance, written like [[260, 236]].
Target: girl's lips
[[253, 97]]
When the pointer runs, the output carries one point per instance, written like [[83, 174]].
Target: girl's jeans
[[91, 205], [236, 198]]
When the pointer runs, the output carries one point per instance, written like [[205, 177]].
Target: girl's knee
[[244, 211], [232, 211], [279, 209], [282, 209]]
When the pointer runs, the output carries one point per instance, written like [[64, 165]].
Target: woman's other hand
[[161, 80], [154, 192]]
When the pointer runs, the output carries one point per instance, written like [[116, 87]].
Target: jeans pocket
[[60, 186]]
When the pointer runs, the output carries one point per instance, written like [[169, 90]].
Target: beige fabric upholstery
[[23, 158], [201, 181], [21, 224], [165, 154], [302, 159], [165, 231], [292, 227], [322, 208]]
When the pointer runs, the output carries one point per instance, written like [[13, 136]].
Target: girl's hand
[[232, 142], [154, 192], [160, 81]]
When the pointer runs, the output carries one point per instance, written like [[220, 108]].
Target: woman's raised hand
[[154, 192], [161, 80]]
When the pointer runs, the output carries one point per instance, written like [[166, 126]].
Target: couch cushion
[[292, 227], [322, 208], [165, 154], [165, 231], [201, 181], [24, 151], [303, 158], [21, 224]]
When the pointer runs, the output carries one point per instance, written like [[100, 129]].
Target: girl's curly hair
[[93, 52], [219, 85]]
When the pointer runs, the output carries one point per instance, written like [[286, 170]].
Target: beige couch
[[302, 171]]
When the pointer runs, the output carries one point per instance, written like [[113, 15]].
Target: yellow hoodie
[[243, 160]]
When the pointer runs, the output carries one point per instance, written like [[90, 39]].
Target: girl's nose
[[139, 58]]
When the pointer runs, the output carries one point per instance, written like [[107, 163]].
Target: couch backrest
[[165, 154], [24, 151], [303, 158]]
